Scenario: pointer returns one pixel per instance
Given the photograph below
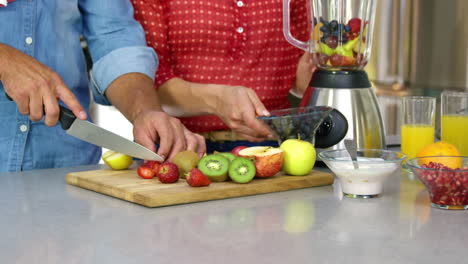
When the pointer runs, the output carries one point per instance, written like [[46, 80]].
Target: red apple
[[236, 150], [268, 160]]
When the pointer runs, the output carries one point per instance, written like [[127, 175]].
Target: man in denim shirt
[[42, 63]]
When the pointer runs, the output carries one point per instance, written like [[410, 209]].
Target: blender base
[[351, 94]]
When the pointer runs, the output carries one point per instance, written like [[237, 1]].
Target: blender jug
[[341, 33], [340, 44]]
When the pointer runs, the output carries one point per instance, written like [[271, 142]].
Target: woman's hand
[[305, 69], [239, 108]]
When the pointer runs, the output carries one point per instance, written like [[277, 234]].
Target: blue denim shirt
[[50, 30]]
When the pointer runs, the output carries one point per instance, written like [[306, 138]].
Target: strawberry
[[196, 178], [145, 172], [355, 24], [152, 164], [168, 172]]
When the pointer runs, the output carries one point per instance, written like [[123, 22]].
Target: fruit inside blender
[[341, 46]]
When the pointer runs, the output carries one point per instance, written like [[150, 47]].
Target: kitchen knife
[[98, 136]]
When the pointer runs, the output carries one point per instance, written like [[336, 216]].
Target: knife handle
[[66, 117]]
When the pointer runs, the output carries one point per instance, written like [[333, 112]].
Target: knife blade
[[99, 136]]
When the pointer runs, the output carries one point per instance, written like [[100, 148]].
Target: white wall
[[108, 117]]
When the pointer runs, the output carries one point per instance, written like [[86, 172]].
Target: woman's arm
[[237, 106], [301, 30]]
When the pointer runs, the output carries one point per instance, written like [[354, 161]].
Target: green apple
[[299, 157]]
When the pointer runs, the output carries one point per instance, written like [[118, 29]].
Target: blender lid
[[340, 79]]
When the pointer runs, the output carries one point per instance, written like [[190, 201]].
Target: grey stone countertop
[[44, 220]]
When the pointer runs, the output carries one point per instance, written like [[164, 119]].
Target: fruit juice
[[454, 131], [415, 137]]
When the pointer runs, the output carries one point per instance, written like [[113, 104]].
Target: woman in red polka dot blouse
[[225, 62]]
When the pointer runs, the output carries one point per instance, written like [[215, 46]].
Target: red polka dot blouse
[[229, 42]]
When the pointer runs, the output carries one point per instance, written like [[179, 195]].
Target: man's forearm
[[182, 98], [132, 94]]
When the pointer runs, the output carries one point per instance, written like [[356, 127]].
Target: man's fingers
[[192, 143], [23, 105], [144, 140], [70, 100], [179, 139], [201, 145], [36, 107], [195, 142], [52, 109], [165, 141]]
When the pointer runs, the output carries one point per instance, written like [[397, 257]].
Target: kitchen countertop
[[44, 220]]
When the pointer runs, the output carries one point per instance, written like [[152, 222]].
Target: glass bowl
[[448, 188], [298, 123], [373, 167]]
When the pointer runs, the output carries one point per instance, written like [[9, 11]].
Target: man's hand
[[35, 87], [135, 97], [151, 126]]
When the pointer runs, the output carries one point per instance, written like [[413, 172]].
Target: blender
[[340, 44]]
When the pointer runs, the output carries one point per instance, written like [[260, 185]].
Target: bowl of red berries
[[448, 187]]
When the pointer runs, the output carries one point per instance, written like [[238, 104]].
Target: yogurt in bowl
[[366, 181]]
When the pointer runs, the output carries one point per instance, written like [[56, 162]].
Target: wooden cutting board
[[127, 185]]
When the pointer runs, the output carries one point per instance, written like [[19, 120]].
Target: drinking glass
[[454, 125], [417, 123]]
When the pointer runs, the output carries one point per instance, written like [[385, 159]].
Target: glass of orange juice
[[454, 112], [417, 123]]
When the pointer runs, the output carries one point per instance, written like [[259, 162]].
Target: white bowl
[[375, 165]]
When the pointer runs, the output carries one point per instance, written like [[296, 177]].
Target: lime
[[116, 160]]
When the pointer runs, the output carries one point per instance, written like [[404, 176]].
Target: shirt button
[[29, 40], [240, 3], [240, 29], [24, 128]]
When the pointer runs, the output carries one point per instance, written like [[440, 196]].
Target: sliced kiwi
[[241, 170], [186, 161], [215, 167], [228, 155]]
